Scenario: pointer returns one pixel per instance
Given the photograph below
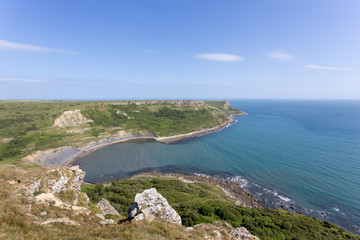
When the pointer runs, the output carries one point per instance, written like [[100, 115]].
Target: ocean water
[[301, 156]]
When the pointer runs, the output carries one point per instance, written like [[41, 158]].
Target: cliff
[[54, 203], [53, 132]]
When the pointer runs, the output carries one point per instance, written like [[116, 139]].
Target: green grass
[[29, 123], [217, 104], [204, 203]]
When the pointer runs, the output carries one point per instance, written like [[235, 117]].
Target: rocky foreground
[[40, 202]]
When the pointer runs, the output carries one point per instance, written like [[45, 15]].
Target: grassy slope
[[29, 123], [205, 203]]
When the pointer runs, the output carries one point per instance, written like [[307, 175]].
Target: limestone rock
[[35, 187], [107, 221], [99, 215], [57, 156], [241, 234], [71, 119], [106, 207], [151, 205], [67, 179], [60, 179]]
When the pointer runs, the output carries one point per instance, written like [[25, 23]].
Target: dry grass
[[21, 218]]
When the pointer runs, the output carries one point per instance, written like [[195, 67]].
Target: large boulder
[[106, 208], [150, 205]]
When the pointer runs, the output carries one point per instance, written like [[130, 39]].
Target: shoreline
[[230, 189], [165, 140]]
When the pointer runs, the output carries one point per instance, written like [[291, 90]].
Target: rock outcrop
[[106, 207], [71, 119], [221, 231], [150, 205], [52, 157], [241, 234], [59, 156], [60, 181], [68, 181]]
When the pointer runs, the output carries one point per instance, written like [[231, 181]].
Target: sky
[[179, 49]]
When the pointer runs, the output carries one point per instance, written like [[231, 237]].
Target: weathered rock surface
[[241, 234], [57, 180], [150, 205], [106, 207], [68, 181], [59, 156], [220, 231], [71, 119], [52, 157]]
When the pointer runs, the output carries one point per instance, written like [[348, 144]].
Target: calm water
[[302, 156]]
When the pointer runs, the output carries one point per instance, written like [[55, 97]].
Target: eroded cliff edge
[[207, 117]]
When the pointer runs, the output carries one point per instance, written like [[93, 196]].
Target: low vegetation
[[204, 203], [26, 126]]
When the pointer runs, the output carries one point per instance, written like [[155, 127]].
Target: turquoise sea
[[301, 156]]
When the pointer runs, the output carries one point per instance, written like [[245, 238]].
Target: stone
[[107, 222], [106, 207], [241, 234], [68, 179], [35, 187], [154, 206], [139, 217], [99, 215]]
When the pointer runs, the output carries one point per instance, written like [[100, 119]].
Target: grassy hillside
[[204, 203], [26, 126]]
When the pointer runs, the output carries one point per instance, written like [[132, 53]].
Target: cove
[[297, 155]]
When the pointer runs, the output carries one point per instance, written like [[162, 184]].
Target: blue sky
[[174, 49]]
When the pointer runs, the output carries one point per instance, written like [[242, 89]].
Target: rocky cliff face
[[59, 156], [71, 119]]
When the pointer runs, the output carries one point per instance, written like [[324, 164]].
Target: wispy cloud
[[6, 45], [222, 57], [314, 66], [282, 56], [24, 80]]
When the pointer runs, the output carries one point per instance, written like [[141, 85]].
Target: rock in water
[[152, 206], [106, 208], [241, 234]]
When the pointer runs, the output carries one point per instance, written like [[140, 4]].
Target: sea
[[301, 156]]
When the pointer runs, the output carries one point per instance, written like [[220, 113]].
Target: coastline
[[231, 189], [169, 139], [64, 156]]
